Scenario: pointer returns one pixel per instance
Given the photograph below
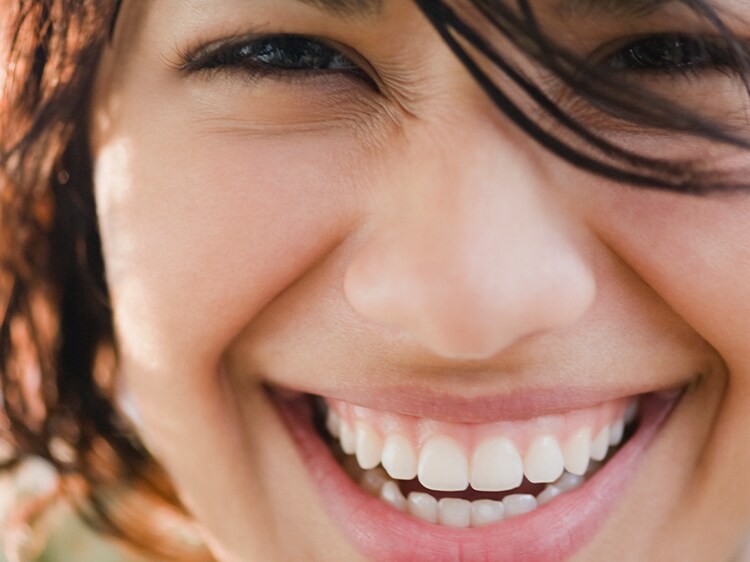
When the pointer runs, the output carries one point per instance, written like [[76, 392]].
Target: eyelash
[[671, 54], [666, 54], [248, 56]]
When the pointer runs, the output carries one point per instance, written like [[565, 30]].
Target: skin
[[258, 233]]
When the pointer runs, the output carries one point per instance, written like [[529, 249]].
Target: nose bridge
[[468, 255]]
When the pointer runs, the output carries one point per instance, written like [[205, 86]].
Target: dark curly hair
[[58, 353]]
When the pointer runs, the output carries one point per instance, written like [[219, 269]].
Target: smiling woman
[[354, 280]]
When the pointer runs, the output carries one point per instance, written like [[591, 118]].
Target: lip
[[518, 404], [551, 533]]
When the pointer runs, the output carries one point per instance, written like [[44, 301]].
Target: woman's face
[[372, 231]]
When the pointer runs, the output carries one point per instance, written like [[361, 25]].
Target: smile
[[489, 471], [410, 488]]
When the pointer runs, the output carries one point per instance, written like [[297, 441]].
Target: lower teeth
[[458, 512]]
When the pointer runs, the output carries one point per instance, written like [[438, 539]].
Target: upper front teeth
[[496, 466], [443, 465], [496, 463]]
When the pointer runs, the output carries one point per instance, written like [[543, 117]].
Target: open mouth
[[421, 468], [405, 488]]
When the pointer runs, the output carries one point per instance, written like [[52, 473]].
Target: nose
[[469, 248]]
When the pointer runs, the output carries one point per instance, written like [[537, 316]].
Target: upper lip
[[518, 404]]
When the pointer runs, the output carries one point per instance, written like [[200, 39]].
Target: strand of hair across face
[[678, 176]]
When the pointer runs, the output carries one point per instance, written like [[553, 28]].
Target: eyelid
[[191, 60], [603, 53]]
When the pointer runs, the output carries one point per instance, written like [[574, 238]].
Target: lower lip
[[551, 533]]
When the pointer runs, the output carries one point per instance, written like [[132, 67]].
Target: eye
[[673, 53], [272, 55]]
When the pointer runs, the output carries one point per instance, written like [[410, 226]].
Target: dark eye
[[274, 54], [668, 53]]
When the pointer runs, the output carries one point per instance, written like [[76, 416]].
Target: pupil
[[293, 53], [664, 53]]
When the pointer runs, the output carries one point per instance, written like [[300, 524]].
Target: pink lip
[[552, 533], [520, 404]]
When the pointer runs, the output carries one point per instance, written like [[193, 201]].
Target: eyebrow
[[348, 8]]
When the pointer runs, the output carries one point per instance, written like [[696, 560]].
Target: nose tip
[[469, 301], [469, 246]]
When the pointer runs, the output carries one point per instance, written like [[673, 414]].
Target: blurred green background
[[61, 536]]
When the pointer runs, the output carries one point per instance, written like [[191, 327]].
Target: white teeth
[[568, 482], [565, 483], [399, 458], [577, 451], [496, 466], [372, 480], [457, 512], [423, 506], [347, 438], [369, 446], [544, 460], [616, 431], [549, 493], [454, 512], [333, 422], [443, 465], [391, 493], [518, 504], [600, 444], [484, 512]]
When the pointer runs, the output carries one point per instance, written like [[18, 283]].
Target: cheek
[[695, 253], [201, 232]]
